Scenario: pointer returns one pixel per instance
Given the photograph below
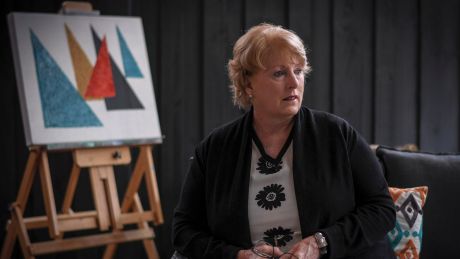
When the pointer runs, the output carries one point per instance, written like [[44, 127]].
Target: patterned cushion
[[406, 237]]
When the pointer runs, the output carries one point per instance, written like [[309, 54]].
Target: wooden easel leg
[[109, 251], [21, 202], [28, 179], [10, 239], [70, 192], [154, 199], [144, 167], [134, 182], [112, 198], [48, 196], [149, 245], [150, 249], [152, 186], [71, 187], [114, 206], [100, 198], [24, 240]]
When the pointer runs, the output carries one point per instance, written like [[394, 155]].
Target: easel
[[107, 215]]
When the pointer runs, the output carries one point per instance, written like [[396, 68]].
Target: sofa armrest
[[441, 173]]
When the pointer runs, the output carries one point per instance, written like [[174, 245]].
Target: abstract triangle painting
[[83, 80], [62, 105]]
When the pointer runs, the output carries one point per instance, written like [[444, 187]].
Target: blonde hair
[[251, 51]]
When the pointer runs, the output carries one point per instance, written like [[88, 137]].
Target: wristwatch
[[322, 243]]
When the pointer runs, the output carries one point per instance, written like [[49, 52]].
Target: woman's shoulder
[[326, 125], [229, 131], [323, 118], [234, 126]]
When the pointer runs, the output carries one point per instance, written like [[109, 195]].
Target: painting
[[83, 80]]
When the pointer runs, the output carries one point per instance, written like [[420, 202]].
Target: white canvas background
[[118, 125]]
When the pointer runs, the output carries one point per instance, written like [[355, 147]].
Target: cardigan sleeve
[[374, 214], [191, 235]]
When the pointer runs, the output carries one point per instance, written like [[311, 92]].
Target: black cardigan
[[339, 186]]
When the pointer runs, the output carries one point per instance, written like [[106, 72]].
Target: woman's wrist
[[244, 254]]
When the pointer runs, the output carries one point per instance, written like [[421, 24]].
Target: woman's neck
[[273, 133], [266, 126]]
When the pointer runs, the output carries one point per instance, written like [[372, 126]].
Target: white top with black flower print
[[272, 205]]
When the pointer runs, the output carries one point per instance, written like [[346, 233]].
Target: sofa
[[441, 211]]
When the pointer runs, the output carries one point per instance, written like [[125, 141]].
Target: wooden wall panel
[[440, 45], [223, 25], [353, 63], [311, 20], [396, 72], [150, 12], [258, 11], [180, 99], [12, 140]]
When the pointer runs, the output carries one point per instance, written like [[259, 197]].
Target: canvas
[[83, 80]]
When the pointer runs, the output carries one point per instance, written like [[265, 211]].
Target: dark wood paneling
[[181, 101], [222, 27], [439, 125], [258, 11], [311, 20], [11, 126], [353, 64], [396, 71], [14, 152]]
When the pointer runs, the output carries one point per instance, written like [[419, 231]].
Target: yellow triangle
[[81, 65]]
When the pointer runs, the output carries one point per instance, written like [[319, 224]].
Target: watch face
[[320, 240], [322, 243]]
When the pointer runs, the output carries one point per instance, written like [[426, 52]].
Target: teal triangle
[[62, 105], [129, 64]]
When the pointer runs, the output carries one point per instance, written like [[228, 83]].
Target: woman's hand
[[244, 254], [266, 249], [307, 248]]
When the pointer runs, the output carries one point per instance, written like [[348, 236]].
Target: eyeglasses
[[257, 250]]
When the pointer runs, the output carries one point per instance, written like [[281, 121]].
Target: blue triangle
[[62, 105], [130, 65]]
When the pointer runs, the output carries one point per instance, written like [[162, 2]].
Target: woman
[[282, 179]]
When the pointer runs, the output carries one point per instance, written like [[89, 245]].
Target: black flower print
[[271, 196], [278, 236], [268, 167]]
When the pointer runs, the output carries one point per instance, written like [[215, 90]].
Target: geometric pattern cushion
[[406, 237]]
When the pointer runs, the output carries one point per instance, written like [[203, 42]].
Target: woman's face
[[277, 91]]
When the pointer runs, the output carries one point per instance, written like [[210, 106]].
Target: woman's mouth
[[291, 98]]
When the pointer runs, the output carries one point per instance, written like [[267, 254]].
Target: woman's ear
[[248, 89]]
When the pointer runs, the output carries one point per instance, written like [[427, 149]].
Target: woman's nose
[[293, 80]]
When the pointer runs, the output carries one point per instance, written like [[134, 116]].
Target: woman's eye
[[279, 73], [298, 71]]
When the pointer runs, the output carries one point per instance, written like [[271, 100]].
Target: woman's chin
[[293, 109], [290, 111]]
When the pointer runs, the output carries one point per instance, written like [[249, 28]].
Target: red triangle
[[101, 83]]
